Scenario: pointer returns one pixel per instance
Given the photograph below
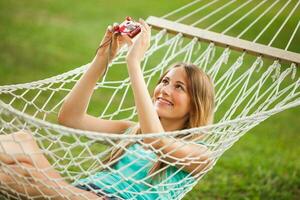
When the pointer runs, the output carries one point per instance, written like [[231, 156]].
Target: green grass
[[40, 39]]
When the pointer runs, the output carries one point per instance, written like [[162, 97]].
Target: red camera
[[129, 27]]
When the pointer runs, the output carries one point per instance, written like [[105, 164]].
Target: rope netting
[[273, 23], [249, 89]]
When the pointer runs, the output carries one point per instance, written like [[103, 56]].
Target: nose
[[166, 90]]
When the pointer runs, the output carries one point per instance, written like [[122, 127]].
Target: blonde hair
[[201, 91]]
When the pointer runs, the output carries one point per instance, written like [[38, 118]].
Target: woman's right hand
[[138, 48], [111, 43]]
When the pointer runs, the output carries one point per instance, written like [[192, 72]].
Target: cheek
[[156, 91], [182, 100]]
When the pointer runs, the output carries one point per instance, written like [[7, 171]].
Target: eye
[[165, 81], [179, 87]]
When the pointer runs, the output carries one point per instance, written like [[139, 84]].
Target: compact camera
[[128, 27]]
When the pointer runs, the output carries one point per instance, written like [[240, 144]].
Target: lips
[[165, 101]]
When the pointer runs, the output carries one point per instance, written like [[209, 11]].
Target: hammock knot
[[198, 48], [164, 31], [294, 70], [238, 62], [54, 138], [180, 40], [180, 35], [212, 51], [195, 40], [277, 67], [226, 55], [259, 62]]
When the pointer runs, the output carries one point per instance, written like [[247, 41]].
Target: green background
[[43, 38]]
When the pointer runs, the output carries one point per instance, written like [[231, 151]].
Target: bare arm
[[73, 112], [148, 117], [191, 157]]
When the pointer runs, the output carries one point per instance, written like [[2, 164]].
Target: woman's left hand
[[138, 47]]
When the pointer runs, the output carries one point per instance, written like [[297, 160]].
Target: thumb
[[107, 36], [109, 32]]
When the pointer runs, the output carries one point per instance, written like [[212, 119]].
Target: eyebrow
[[182, 83]]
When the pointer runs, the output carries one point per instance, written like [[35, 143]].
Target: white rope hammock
[[249, 89]]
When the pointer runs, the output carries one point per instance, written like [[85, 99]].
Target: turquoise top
[[129, 178]]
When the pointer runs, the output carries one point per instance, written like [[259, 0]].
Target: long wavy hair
[[201, 91]]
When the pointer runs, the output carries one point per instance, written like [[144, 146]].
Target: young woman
[[183, 98]]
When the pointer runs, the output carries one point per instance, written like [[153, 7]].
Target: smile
[[164, 101]]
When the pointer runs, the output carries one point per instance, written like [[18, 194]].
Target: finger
[[107, 36], [143, 27], [144, 24], [109, 31], [115, 38], [115, 43], [126, 39], [116, 26], [110, 28], [145, 31]]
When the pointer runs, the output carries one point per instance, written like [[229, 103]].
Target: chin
[[164, 114]]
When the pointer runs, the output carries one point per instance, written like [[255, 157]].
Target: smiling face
[[171, 96]]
